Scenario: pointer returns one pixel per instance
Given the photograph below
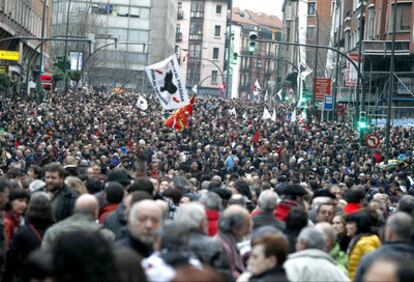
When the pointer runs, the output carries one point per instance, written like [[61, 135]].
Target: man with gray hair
[[398, 244], [267, 203], [234, 225], [192, 219], [144, 223], [311, 262]]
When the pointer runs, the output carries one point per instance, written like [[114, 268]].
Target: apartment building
[[200, 39], [24, 18], [144, 29], [259, 64]]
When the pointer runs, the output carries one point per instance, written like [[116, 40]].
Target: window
[[218, 9], [215, 53], [403, 17], [311, 8], [195, 50], [310, 34], [371, 23], [214, 76], [217, 30]]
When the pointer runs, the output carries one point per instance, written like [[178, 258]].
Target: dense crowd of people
[[95, 189]]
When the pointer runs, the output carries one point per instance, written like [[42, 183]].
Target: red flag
[[256, 137], [179, 119]]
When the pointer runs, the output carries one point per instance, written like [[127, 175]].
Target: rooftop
[[252, 18]]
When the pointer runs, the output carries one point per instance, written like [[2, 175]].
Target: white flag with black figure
[[168, 86]]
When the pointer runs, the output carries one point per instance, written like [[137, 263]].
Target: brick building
[[24, 18]]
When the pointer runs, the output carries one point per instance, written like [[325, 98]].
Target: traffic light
[[234, 59], [252, 41], [362, 122]]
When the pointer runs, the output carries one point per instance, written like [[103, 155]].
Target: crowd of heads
[[95, 189]]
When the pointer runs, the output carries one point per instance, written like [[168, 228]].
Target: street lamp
[[315, 72], [66, 44], [43, 35], [391, 85]]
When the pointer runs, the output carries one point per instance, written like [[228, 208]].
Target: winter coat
[[12, 222], [283, 209], [116, 221], [233, 255], [63, 202], [136, 245], [392, 250], [27, 239], [2, 247], [267, 219], [362, 246], [352, 208], [340, 258], [208, 251], [76, 222], [106, 211], [276, 274], [212, 218], [313, 265]]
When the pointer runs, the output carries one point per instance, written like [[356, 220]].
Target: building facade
[[24, 18], [201, 38], [377, 33], [260, 64], [318, 14], [144, 29]]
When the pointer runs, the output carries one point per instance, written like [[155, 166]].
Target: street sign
[[372, 141], [323, 87], [9, 55], [328, 104]]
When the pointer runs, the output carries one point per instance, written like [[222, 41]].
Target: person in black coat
[[63, 198], [29, 237]]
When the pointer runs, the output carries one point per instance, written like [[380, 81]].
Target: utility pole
[[229, 36]]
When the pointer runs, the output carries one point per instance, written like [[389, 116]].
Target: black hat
[[120, 176]]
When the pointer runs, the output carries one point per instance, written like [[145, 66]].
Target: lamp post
[[66, 45], [391, 85], [360, 99], [43, 35]]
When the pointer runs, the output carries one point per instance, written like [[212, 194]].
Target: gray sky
[[270, 7]]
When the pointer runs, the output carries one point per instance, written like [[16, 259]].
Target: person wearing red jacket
[[212, 204], [113, 193], [14, 215]]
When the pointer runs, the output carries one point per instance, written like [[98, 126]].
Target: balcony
[[383, 48], [178, 37], [180, 14]]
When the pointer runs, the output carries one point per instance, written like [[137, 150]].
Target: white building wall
[[183, 45], [211, 19], [237, 41]]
